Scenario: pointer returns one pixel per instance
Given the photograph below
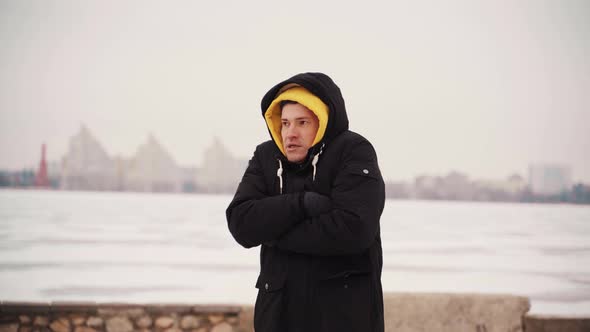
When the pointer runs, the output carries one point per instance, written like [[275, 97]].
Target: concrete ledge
[[548, 323], [454, 312], [422, 312]]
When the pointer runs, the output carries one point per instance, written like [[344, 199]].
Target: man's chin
[[295, 158]]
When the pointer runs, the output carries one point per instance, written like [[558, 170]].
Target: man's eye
[[302, 122]]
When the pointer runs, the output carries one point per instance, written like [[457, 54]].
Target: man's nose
[[292, 132]]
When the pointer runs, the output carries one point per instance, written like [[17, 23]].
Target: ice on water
[[132, 247]]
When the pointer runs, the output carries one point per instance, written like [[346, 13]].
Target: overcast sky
[[480, 87]]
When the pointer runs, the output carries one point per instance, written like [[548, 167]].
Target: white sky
[[480, 87]]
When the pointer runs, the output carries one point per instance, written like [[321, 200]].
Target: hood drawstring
[[280, 176], [314, 162]]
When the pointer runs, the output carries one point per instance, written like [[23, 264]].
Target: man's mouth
[[292, 146]]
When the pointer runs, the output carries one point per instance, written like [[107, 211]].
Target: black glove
[[315, 204]]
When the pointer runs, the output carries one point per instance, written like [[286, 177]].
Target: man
[[312, 198]]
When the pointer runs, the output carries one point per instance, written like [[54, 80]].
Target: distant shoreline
[[231, 194]]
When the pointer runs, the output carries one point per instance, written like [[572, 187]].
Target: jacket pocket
[[345, 301], [269, 303]]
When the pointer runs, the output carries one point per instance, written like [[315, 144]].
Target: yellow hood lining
[[304, 97]]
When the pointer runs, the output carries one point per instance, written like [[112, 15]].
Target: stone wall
[[92, 317], [403, 312]]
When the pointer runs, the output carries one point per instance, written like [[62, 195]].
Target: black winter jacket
[[319, 273]]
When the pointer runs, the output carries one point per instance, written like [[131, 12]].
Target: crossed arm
[[349, 226]]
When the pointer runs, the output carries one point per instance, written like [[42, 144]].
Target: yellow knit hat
[[303, 97]]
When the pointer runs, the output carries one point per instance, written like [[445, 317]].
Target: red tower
[[41, 180]]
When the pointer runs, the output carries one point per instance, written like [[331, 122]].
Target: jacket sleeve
[[255, 217], [358, 197]]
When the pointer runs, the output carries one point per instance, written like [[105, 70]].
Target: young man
[[312, 198]]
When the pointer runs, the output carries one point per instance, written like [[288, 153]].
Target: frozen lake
[[130, 247]]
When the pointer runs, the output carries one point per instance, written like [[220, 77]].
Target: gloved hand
[[315, 204]]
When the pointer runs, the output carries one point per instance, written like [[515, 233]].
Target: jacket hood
[[320, 86]]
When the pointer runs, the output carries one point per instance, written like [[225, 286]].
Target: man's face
[[298, 128]]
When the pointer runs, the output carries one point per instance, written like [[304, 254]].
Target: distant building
[[456, 186], [17, 179], [546, 179], [152, 169], [513, 185], [54, 172], [189, 177], [425, 187], [397, 189], [87, 166], [41, 178], [220, 172], [453, 186]]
